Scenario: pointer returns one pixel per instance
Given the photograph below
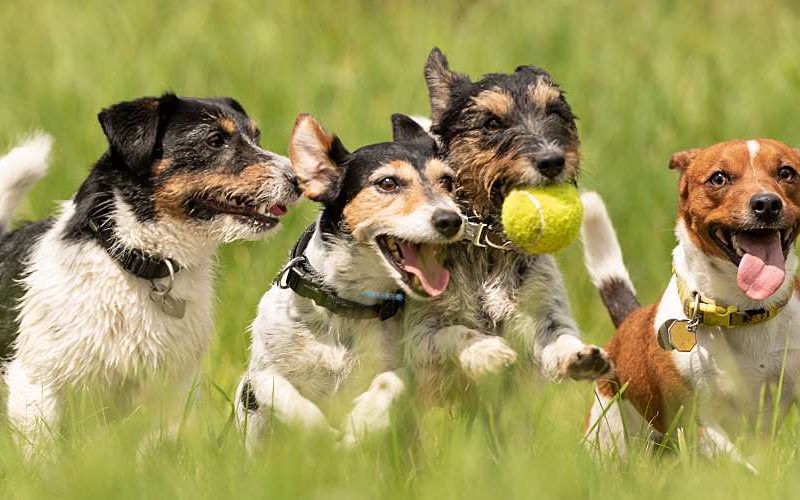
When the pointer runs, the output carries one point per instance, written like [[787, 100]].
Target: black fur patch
[[619, 300], [248, 398], [15, 248]]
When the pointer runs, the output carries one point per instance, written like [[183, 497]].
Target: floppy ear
[[317, 158], [682, 159], [132, 129], [441, 83], [406, 129]]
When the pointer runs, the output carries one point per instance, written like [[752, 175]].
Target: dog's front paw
[[487, 356], [587, 363]]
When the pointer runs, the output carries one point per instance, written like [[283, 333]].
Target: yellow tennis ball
[[542, 219]]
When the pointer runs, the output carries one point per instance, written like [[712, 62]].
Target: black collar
[[132, 260], [306, 282]]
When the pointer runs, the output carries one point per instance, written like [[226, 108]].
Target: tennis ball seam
[[540, 209]]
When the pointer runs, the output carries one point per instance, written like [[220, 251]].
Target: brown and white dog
[[734, 266]]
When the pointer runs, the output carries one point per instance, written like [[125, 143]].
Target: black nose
[[550, 166], [446, 222], [766, 206]]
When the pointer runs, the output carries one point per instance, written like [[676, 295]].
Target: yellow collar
[[708, 312]]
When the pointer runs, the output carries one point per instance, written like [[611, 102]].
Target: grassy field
[[645, 78]]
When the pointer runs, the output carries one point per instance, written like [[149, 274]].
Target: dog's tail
[[20, 168], [603, 258]]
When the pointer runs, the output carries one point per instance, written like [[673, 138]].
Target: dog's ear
[[682, 159], [133, 127], [406, 129], [317, 158], [441, 83]]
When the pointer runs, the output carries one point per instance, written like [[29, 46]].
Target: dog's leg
[[178, 398], [605, 430], [372, 410], [264, 395], [713, 443], [251, 418], [478, 354], [33, 409], [544, 322]]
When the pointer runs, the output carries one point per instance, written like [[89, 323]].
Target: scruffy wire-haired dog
[[330, 323], [114, 292], [500, 132]]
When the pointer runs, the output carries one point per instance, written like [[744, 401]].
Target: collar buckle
[[475, 233], [480, 235], [283, 280]]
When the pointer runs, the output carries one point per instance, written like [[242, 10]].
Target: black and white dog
[[115, 291], [330, 323], [500, 132]]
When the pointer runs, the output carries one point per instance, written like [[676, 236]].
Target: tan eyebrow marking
[[496, 101], [252, 126], [542, 94], [227, 124], [436, 168], [401, 168]]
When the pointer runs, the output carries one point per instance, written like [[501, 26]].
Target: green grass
[[646, 79]]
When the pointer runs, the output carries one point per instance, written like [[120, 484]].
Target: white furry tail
[[603, 258], [20, 168], [426, 123], [423, 122]]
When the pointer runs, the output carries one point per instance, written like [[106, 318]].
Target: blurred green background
[[645, 78]]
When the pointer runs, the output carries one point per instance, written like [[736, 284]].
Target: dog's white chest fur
[[84, 321], [319, 354], [733, 362]]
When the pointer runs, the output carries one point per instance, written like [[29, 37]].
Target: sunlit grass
[[646, 79]]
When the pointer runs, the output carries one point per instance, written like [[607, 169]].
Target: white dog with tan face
[[329, 327]]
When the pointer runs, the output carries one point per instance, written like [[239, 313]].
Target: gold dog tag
[[677, 334]]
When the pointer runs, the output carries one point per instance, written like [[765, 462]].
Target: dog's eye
[[447, 183], [787, 173], [492, 124], [215, 140], [719, 179], [388, 184]]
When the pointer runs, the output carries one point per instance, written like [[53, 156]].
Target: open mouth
[[759, 254], [258, 214], [418, 264]]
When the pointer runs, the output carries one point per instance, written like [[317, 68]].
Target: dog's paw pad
[[487, 356], [588, 363]]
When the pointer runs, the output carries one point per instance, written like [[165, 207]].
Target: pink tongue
[[763, 267], [420, 260]]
